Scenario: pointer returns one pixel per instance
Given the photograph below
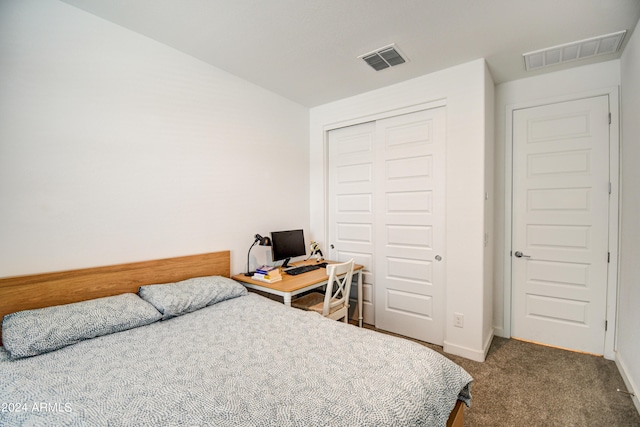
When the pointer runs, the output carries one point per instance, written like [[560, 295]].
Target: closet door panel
[[409, 221], [351, 203]]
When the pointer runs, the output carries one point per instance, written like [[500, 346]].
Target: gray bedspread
[[247, 361]]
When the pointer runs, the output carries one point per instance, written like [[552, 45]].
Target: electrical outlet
[[458, 320]]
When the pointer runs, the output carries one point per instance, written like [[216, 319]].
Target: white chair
[[331, 304]]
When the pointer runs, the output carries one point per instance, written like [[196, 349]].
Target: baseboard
[[498, 331], [468, 353], [487, 342], [631, 386]]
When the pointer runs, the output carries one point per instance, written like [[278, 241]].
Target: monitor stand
[[285, 264]]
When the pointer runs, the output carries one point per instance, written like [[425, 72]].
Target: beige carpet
[[523, 384]]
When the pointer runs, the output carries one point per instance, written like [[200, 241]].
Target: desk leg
[[286, 298], [360, 298]]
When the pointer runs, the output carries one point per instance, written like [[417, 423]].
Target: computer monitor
[[286, 245]]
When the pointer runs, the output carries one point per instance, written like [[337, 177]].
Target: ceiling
[[307, 50]]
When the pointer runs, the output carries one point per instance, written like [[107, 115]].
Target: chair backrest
[[339, 279]]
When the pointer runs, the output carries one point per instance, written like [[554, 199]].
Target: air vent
[[384, 57], [582, 49]]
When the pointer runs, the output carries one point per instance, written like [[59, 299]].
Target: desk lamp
[[264, 241]]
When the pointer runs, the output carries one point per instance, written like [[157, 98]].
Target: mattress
[[244, 361]]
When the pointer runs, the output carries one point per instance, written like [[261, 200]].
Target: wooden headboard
[[64, 287]]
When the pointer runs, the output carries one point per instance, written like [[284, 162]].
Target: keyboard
[[304, 269]]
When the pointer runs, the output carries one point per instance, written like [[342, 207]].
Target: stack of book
[[267, 274]]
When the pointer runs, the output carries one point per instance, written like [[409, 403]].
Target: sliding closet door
[[409, 220], [386, 210], [350, 203]]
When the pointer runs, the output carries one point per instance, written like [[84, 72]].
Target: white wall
[[598, 78], [463, 90], [115, 148], [628, 342]]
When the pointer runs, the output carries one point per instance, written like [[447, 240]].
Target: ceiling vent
[[588, 48], [384, 57]]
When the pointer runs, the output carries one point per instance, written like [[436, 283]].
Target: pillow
[[32, 332], [175, 299]]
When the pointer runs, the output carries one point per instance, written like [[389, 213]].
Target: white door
[[409, 291], [350, 203], [560, 223]]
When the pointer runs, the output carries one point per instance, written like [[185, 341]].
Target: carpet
[[521, 384]]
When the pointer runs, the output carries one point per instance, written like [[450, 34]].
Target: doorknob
[[519, 254]]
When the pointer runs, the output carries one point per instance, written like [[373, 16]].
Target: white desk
[[290, 286]]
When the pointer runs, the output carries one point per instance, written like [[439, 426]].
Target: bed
[[168, 359]]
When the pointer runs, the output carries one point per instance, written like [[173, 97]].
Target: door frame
[[614, 208]]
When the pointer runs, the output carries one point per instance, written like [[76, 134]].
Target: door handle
[[519, 254]]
